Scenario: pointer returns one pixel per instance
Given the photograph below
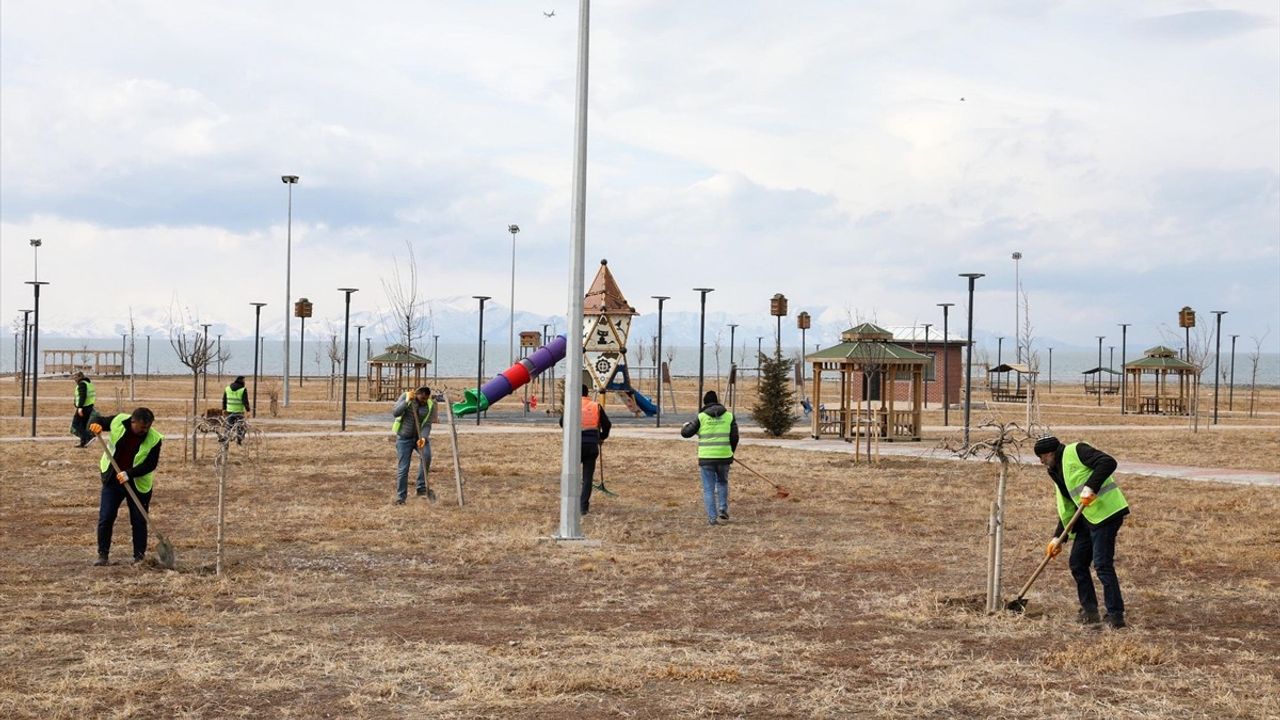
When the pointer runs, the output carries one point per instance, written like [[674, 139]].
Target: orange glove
[[422, 442], [1087, 496], [122, 478], [1054, 548], [95, 428]]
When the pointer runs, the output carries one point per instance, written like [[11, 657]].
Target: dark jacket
[[694, 426], [405, 409], [1102, 465]]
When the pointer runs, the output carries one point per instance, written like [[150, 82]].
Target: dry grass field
[[855, 597]]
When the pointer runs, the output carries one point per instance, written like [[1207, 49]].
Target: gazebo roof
[[1018, 368], [1097, 370], [877, 352], [1160, 362], [399, 354], [1160, 351], [866, 331]]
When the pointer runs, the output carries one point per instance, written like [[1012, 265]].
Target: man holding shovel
[[414, 414], [135, 447], [1082, 477]]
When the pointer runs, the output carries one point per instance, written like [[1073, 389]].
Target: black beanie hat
[[711, 398], [1047, 444]]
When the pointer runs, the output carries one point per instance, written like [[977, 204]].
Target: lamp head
[[36, 242], [513, 229], [1017, 255], [289, 179]]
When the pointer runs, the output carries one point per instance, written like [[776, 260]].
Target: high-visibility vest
[[90, 396], [713, 436], [235, 399], [423, 418], [1075, 474], [590, 414], [119, 426]]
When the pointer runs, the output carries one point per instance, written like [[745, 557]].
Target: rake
[[164, 550], [600, 485], [779, 492]]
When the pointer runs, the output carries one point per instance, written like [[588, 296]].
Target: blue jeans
[[715, 488], [405, 449], [1097, 545]]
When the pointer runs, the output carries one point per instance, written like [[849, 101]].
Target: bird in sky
[[548, 14], [961, 99]]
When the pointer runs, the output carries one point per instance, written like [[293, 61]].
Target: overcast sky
[[853, 156]]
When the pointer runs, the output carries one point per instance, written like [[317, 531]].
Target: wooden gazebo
[[873, 370], [1004, 391], [1102, 380], [1159, 397], [396, 371]]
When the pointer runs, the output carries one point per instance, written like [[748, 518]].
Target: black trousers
[[80, 425], [590, 451], [1096, 545], [109, 506]]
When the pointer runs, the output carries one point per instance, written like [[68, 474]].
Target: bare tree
[[717, 344], [1253, 374], [333, 350], [409, 317], [193, 351]]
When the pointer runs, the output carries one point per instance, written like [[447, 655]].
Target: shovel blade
[[168, 558], [1016, 605]]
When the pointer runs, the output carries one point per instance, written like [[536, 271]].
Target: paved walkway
[[377, 427]]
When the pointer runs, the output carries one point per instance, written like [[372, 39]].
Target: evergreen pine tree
[[772, 410]]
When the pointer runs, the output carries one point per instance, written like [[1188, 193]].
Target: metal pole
[[1017, 293], [1124, 374], [148, 357], [1231, 387], [302, 343], [571, 448], [1217, 360], [480, 354], [26, 352], [968, 366], [219, 351], [733, 389], [290, 181], [346, 351], [1097, 379], [657, 421], [1050, 369], [257, 318], [946, 369], [926, 374], [702, 340], [511, 328], [35, 355], [358, 370], [435, 359], [999, 350]]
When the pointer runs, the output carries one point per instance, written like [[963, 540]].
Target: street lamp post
[[968, 358], [702, 337], [435, 359], [1124, 374], [759, 354], [1017, 294], [26, 353], [733, 376], [257, 320], [35, 251], [35, 353], [946, 365], [1231, 386], [1217, 359], [302, 310], [480, 354], [1097, 380], [358, 370], [511, 328], [289, 180], [657, 421], [346, 350], [1050, 369], [999, 350], [926, 373], [148, 360], [803, 322]]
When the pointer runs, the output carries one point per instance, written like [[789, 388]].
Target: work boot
[[713, 521], [1089, 617], [398, 501], [724, 515], [102, 560], [422, 492], [1115, 620], [138, 559]]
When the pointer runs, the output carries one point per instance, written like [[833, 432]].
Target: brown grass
[[852, 598]]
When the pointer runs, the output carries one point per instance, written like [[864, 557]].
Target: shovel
[[426, 480], [164, 550], [600, 485], [1019, 603], [779, 492]]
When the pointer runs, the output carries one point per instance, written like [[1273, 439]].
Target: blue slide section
[[644, 403]]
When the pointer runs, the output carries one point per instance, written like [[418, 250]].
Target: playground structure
[[607, 320]]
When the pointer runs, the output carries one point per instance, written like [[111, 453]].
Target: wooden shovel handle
[[1043, 563], [116, 466]]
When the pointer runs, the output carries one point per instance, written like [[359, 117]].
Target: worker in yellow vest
[[717, 432], [135, 445], [1082, 477], [411, 437], [84, 399], [235, 402], [595, 430]]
